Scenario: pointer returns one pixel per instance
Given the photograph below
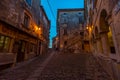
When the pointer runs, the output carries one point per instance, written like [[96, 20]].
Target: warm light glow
[[87, 27], [61, 46], [92, 26], [36, 28], [39, 28], [90, 29]]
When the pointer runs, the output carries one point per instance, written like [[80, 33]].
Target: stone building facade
[[45, 24], [103, 26], [70, 29], [21, 31], [55, 43]]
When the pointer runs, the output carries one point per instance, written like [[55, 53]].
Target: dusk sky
[[51, 7]]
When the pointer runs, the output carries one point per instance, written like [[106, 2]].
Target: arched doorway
[[106, 34]]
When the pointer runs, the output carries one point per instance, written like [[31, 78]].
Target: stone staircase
[[73, 43], [95, 71]]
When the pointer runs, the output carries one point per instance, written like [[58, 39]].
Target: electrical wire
[[51, 9]]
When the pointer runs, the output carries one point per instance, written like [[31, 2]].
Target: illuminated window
[[111, 43], [1, 41], [4, 43]]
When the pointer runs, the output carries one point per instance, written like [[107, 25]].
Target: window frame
[[2, 48], [26, 20]]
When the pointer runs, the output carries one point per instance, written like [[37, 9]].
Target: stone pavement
[[59, 66], [23, 70]]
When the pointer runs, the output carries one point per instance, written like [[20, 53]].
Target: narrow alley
[[60, 40], [57, 66]]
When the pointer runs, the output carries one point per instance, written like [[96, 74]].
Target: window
[[65, 43], [1, 41], [65, 32], [80, 20], [65, 20], [29, 2], [32, 48], [26, 20], [81, 33], [65, 13], [4, 43]]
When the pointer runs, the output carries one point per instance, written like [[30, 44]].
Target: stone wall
[[109, 9], [70, 23]]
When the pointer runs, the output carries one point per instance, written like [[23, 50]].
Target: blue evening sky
[[51, 7]]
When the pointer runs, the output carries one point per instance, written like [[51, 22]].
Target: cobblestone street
[[58, 66]]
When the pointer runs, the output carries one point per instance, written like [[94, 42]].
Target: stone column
[[105, 44], [26, 55], [116, 66], [99, 46], [11, 51], [95, 49], [116, 41], [11, 45]]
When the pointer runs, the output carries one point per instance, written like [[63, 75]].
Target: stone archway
[[105, 34], [104, 27]]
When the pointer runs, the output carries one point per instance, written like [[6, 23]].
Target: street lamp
[[39, 28], [87, 27]]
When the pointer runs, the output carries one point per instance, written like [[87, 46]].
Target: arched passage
[[106, 34], [104, 27]]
